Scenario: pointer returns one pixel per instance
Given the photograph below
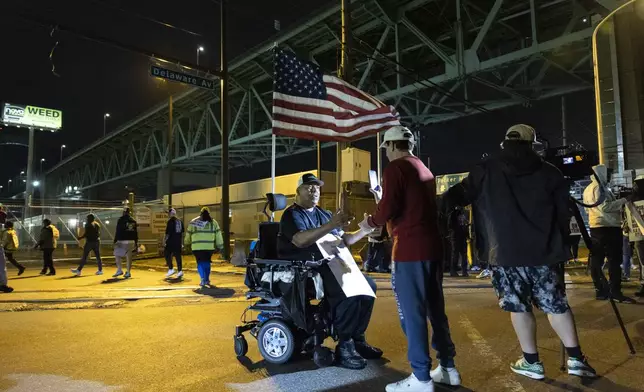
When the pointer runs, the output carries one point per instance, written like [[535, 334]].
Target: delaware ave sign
[[180, 77]]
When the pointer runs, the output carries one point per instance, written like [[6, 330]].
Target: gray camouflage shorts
[[520, 288]]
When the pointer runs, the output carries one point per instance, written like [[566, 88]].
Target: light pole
[[199, 49], [105, 117], [61, 151], [9, 184], [42, 160]]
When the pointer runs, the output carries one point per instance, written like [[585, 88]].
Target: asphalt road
[[95, 334]]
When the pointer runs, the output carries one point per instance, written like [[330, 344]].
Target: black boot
[[5, 289], [366, 350], [347, 356]]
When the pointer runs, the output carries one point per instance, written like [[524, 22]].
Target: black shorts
[[520, 288]]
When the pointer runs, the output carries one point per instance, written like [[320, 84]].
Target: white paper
[[344, 267]]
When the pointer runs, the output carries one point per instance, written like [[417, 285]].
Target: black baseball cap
[[309, 179]]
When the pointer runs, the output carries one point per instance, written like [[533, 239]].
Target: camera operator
[[638, 195], [606, 234]]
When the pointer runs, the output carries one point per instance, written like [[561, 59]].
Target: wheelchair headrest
[[276, 201]]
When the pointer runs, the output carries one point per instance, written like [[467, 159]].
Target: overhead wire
[[147, 18], [414, 76]]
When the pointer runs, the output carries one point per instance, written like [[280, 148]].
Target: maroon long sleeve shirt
[[408, 208]]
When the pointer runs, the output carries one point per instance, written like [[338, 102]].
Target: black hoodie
[[126, 229], [521, 205]]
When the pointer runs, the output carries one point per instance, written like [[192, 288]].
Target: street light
[[42, 160], [61, 151], [199, 49], [36, 183], [105, 117], [22, 173]]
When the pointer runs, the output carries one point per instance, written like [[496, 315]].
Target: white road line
[[504, 380], [47, 382]]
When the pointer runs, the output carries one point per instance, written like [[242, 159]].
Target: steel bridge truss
[[435, 60]]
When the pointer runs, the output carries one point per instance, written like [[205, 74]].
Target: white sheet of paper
[[344, 267]]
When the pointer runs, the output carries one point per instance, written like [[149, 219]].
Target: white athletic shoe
[[180, 274], [117, 274], [99, 273], [484, 274], [447, 376], [170, 273], [76, 272], [411, 384]]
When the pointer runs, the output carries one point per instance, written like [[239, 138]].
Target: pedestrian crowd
[[203, 236]]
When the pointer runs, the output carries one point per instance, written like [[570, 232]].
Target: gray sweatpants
[[3, 268]]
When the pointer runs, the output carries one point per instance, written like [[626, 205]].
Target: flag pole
[[378, 158], [273, 151], [273, 148], [319, 161], [346, 73]]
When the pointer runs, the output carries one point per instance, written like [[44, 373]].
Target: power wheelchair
[[289, 321]]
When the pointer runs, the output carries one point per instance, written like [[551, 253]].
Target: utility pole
[[30, 177], [346, 73], [564, 135], [225, 181], [170, 150]]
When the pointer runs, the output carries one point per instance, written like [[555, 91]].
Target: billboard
[[31, 117]]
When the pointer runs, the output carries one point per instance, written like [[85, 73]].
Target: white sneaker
[[76, 272], [118, 273], [180, 274], [99, 273], [484, 274], [447, 376], [411, 384], [170, 273]]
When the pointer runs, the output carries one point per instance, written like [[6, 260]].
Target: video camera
[[574, 162]]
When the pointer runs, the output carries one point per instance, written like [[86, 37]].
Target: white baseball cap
[[398, 133]]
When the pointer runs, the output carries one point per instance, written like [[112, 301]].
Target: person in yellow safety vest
[[204, 237]]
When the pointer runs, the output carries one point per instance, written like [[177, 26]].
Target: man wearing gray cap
[[524, 209]]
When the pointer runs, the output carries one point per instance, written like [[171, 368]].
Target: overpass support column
[[629, 31]]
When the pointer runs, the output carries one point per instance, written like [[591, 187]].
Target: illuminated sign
[[31, 117], [180, 77]]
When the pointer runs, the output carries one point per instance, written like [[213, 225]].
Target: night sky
[[95, 79]]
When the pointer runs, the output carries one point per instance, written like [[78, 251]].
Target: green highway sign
[[181, 77]]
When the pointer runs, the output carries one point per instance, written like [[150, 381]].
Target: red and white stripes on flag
[[309, 105]]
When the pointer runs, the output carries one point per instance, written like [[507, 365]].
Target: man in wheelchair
[[304, 223]]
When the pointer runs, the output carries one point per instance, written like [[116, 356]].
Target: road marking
[[323, 379], [91, 299], [46, 382], [505, 380]]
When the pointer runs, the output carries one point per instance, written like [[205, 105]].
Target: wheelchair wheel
[[276, 342], [241, 346]]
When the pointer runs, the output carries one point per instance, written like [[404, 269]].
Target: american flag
[[310, 105]]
